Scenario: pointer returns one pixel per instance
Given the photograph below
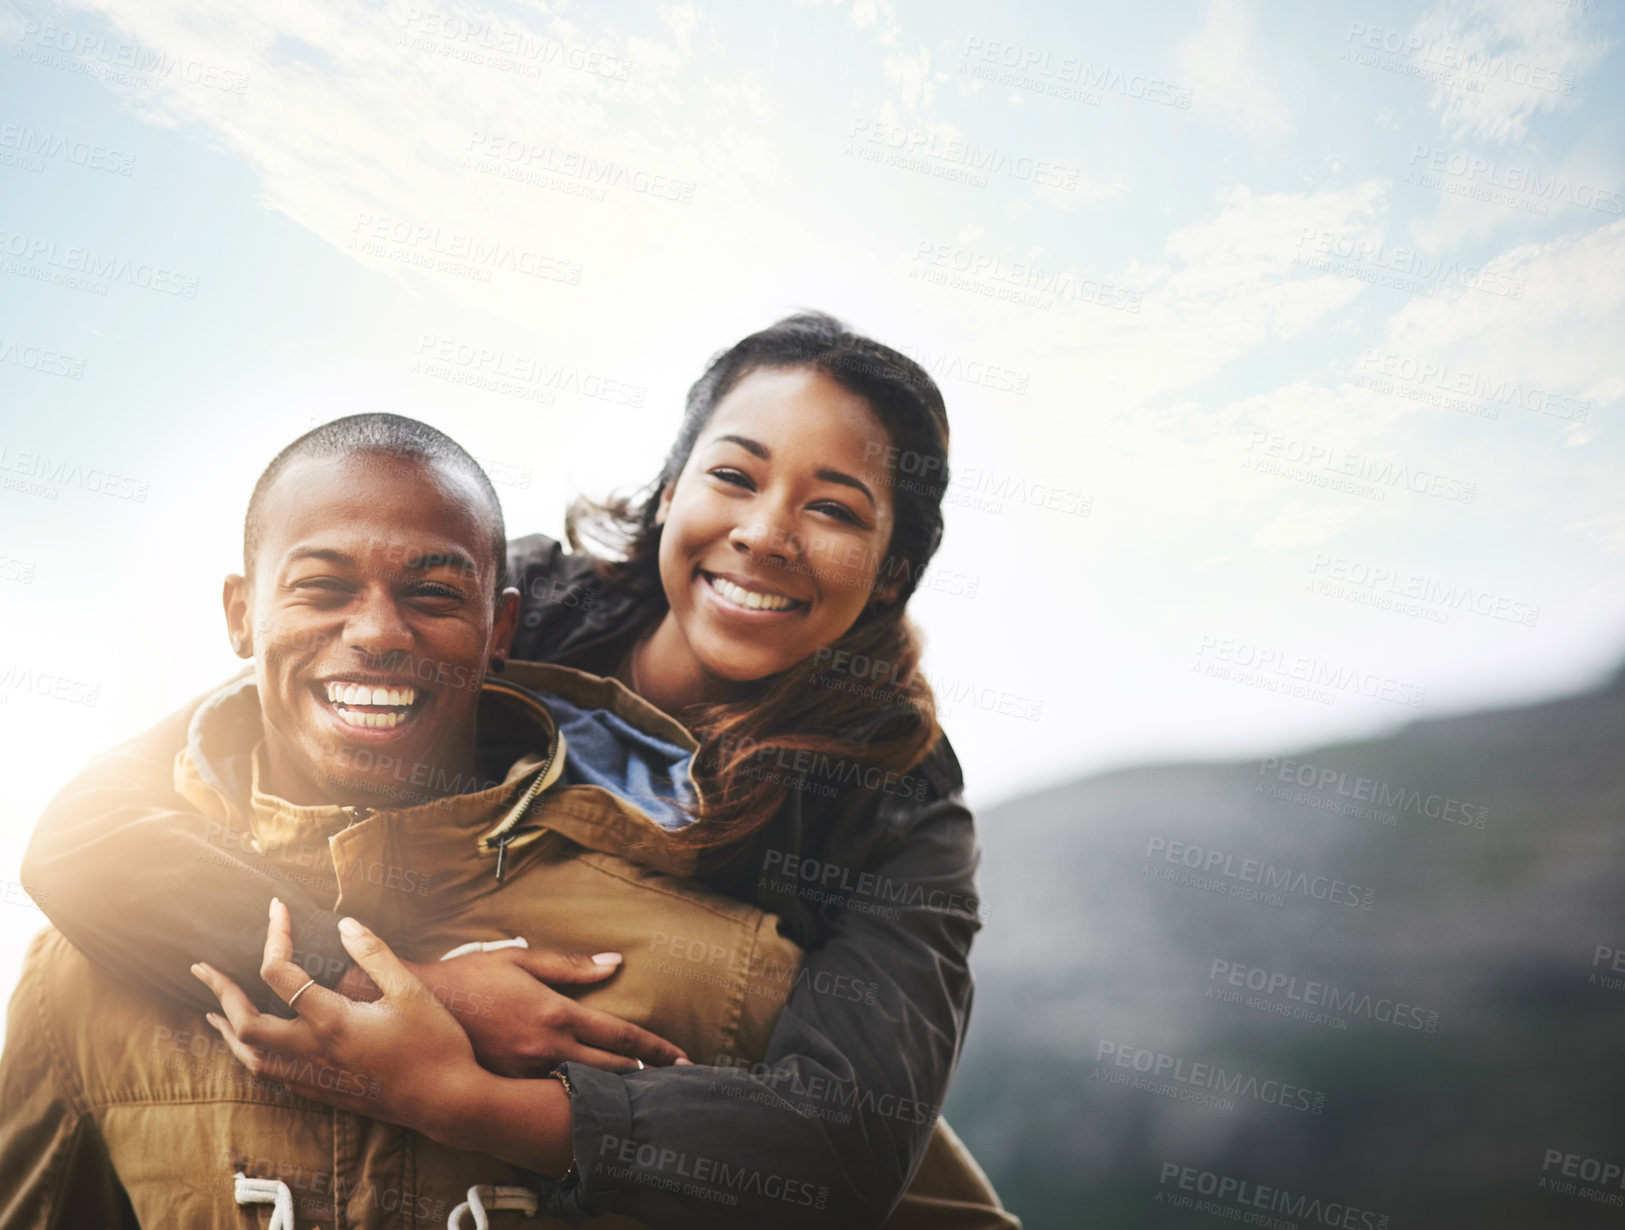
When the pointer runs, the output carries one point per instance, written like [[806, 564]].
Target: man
[[371, 757]]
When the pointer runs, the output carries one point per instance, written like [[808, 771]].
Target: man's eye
[[433, 589], [324, 583]]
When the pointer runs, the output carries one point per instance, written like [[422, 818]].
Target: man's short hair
[[388, 435]]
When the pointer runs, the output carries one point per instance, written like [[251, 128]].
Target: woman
[[775, 553]]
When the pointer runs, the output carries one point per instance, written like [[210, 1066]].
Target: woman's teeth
[[740, 596], [345, 697]]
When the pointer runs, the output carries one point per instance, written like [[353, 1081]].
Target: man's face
[[372, 620]]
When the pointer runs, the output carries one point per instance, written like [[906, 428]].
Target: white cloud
[[1499, 63], [1226, 76], [911, 74]]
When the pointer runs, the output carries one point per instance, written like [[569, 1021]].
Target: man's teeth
[[740, 596], [349, 695]]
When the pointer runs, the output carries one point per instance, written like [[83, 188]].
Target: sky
[[1281, 344]]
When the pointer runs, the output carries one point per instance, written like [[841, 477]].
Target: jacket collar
[[222, 768]]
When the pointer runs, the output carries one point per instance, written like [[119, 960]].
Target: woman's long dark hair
[[854, 709]]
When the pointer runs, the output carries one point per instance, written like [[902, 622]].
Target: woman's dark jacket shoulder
[[832, 825]]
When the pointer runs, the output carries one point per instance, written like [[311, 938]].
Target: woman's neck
[[663, 670]]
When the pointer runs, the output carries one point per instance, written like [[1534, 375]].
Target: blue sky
[[1281, 345]]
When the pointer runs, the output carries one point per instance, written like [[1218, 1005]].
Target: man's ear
[[505, 624], [664, 507], [238, 599]]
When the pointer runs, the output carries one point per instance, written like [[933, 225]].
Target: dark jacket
[[872, 874]]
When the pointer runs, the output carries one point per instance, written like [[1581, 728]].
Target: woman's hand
[[402, 1058], [518, 1024], [522, 1027]]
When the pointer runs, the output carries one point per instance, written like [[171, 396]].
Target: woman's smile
[[743, 596]]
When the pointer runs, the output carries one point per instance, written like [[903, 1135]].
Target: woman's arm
[[830, 1128], [143, 885], [827, 1131]]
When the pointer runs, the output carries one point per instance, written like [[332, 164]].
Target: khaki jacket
[[94, 1067]]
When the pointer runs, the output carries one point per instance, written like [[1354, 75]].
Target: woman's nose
[[768, 537]]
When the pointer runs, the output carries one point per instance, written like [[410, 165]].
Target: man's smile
[[370, 704]]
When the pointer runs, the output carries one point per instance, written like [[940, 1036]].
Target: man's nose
[[376, 627]]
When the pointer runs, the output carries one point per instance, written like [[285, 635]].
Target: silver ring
[[295, 998], [639, 1062]]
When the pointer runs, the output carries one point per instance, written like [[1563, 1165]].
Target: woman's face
[[776, 529]]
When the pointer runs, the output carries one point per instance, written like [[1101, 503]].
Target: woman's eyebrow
[[757, 449], [754, 447], [846, 480]]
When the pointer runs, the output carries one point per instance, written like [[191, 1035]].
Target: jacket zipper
[[503, 833]]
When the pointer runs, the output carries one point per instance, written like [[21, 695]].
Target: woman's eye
[[737, 478], [839, 511]]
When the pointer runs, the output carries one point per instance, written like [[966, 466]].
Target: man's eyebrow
[[757, 449], [326, 554], [440, 559]]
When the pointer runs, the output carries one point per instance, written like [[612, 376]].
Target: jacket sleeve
[[829, 1129], [55, 1173], [144, 886]]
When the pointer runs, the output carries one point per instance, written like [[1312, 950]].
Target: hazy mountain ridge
[[1493, 929]]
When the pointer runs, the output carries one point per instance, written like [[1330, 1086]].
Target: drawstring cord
[[494, 1198], [268, 1191]]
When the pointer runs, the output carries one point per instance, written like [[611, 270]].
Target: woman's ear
[[237, 598], [664, 507]]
